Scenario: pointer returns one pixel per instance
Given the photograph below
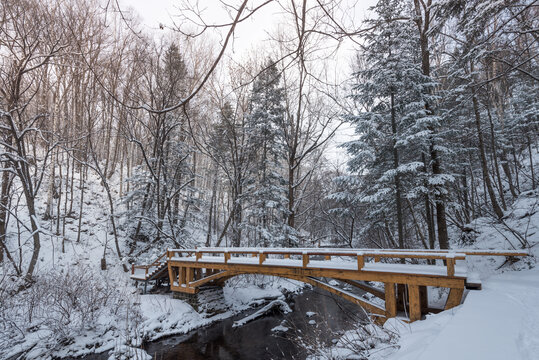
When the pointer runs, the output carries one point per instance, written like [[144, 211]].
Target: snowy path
[[499, 322]]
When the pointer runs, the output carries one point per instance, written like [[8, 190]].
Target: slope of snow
[[499, 322], [123, 318]]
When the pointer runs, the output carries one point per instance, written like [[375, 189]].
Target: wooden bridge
[[406, 274]]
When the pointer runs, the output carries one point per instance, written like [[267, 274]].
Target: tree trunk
[[531, 161], [400, 231], [484, 166], [7, 180], [495, 157]]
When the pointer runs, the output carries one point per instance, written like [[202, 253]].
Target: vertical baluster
[[305, 258]]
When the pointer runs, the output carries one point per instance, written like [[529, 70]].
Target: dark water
[[255, 340]]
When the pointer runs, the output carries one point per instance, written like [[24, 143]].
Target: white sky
[[249, 33]]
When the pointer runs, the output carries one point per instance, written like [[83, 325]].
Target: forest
[[432, 125]]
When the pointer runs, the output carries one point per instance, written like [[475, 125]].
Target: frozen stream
[[256, 340]]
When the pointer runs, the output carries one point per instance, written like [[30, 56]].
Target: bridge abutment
[[209, 300]]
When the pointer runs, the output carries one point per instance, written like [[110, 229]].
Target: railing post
[[198, 255], [450, 263], [360, 260], [227, 256], [414, 303], [328, 257], [390, 300], [181, 279], [287, 256], [189, 273], [305, 258], [261, 257]]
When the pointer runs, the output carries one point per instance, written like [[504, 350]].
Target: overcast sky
[[249, 34]]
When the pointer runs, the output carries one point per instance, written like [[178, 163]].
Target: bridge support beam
[[403, 292], [390, 299], [454, 298], [414, 303], [424, 299]]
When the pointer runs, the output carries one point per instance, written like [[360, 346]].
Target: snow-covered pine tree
[[265, 195], [392, 126]]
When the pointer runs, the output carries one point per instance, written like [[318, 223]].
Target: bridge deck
[[405, 279], [414, 269]]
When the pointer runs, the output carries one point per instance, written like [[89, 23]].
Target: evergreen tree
[[266, 189], [391, 122]]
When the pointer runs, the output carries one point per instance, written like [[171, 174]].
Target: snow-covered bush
[[61, 305], [356, 343]]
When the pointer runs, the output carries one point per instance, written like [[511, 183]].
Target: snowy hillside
[[76, 308]]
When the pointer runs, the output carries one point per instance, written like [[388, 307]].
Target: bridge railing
[[157, 262], [449, 257]]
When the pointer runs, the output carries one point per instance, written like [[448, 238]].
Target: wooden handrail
[[343, 252], [352, 253]]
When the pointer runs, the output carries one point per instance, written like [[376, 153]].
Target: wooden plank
[[454, 298], [185, 289], [211, 278], [415, 303], [351, 252], [377, 253], [172, 274], [390, 300]]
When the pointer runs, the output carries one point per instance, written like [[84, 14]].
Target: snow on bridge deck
[[340, 264]]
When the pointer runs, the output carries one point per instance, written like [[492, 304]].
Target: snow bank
[[499, 322]]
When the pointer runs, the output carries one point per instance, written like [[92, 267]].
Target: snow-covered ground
[[75, 308], [502, 320], [499, 322]]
